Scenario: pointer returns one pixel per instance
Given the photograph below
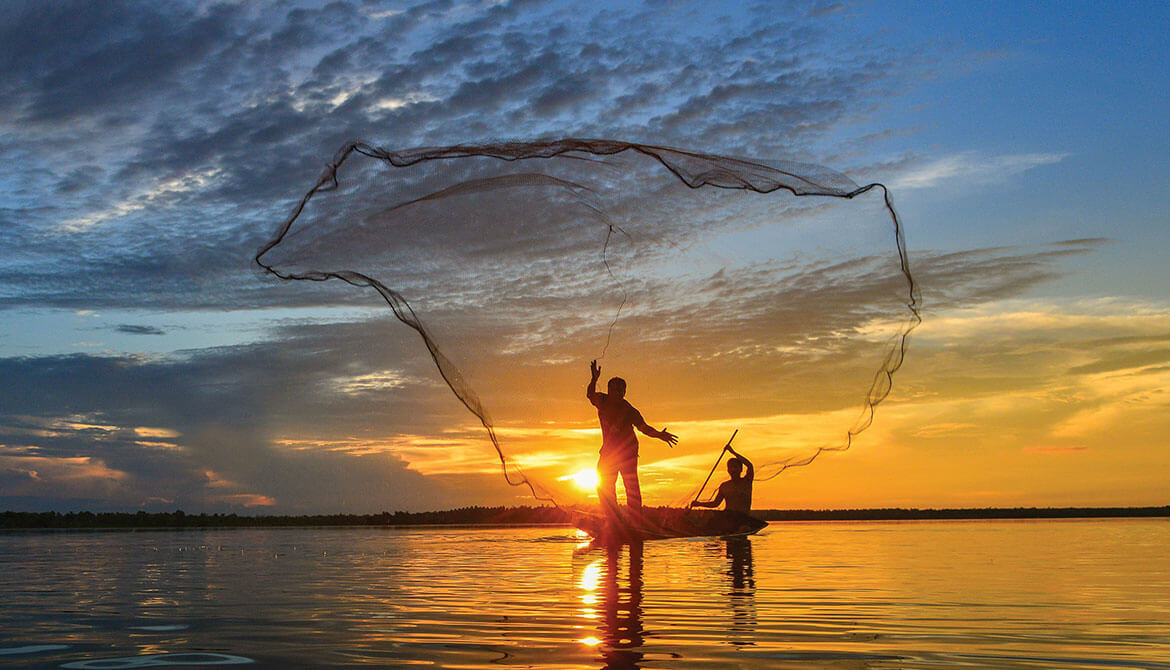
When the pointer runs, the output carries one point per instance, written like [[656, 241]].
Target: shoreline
[[518, 517]]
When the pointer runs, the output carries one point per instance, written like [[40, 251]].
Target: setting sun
[[585, 479]]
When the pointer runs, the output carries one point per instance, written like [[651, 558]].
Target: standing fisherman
[[619, 445]]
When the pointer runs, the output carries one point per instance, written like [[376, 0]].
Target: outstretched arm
[[750, 475], [664, 435]]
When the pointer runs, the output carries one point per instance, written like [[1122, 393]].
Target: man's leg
[[606, 481], [629, 470]]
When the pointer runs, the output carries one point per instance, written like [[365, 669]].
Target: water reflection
[[618, 592], [838, 596], [612, 592], [741, 597]]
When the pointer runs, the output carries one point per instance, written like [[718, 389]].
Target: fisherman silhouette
[[741, 596], [737, 491], [619, 445]]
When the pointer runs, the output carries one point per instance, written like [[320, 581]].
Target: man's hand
[[595, 370], [667, 437]]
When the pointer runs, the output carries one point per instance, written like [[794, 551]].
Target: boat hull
[[663, 523]]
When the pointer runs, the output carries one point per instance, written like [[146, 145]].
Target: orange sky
[[1011, 403]]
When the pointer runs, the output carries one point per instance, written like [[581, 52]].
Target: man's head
[[734, 467], [617, 387]]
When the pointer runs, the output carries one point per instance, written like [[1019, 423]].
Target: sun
[[585, 479]]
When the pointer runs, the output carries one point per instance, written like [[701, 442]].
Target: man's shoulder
[[615, 404]]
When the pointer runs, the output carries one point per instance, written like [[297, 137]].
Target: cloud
[[946, 430], [1047, 376], [1055, 449], [186, 146], [197, 414], [970, 168], [1125, 361], [1103, 324], [351, 416], [134, 329]]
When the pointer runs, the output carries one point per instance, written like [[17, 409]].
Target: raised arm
[[750, 475], [591, 390]]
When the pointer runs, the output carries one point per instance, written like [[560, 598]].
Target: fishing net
[[722, 299]]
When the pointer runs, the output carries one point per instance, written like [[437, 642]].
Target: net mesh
[[723, 300]]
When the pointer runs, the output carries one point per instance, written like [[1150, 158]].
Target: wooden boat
[[664, 522]]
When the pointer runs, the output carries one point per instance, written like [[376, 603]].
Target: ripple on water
[[832, 595]]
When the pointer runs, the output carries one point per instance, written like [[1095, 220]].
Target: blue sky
[[149, 149]]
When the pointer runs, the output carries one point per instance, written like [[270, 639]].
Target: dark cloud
[[134, 329], [180, 134], [70, 60], [203, 430]]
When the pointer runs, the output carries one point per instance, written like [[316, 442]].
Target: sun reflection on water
[[837, 596]]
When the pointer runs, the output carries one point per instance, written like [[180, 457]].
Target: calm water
[[999, 594]]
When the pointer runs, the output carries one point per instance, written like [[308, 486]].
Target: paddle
[[717, 460]]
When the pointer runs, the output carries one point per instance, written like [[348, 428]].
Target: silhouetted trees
[[511, 516], [178, 519]]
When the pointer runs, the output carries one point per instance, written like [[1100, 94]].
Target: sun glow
[[585, 479]]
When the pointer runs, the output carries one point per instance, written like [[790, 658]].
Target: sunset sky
[[149, 149]]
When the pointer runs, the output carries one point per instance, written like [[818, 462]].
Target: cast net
[[724, 299]]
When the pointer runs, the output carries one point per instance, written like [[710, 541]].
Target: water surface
[[936, 594]]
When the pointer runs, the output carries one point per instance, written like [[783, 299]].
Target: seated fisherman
[[737, 491]]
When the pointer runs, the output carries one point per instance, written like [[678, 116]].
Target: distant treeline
[[478, 516], [508, 516]]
